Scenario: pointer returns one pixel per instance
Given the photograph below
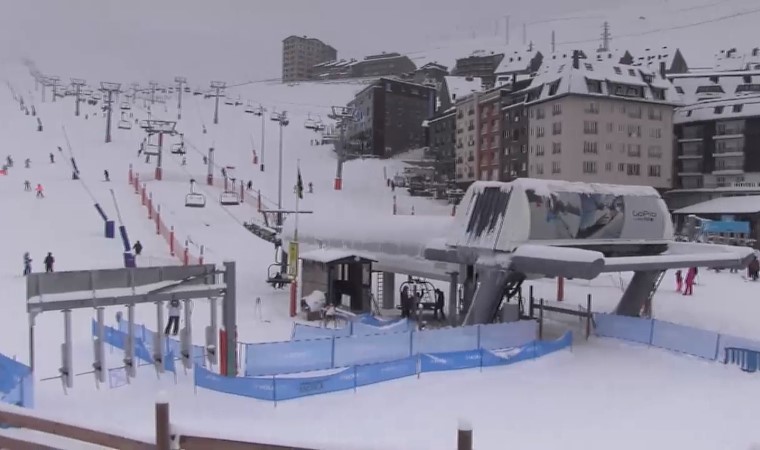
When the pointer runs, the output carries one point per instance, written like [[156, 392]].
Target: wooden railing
[[17, 417]]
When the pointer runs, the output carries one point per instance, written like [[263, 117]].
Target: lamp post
[[260, 112], [282, 119]]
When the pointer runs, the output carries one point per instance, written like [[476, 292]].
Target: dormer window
[[588, 67], [631, 72], [553, 88], [618, 71], [718, 110], [710, 89]]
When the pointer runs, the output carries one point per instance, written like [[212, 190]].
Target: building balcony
[[729, 171], [725, 154], [732, 135], [689, 173], [684, 140], [690, 156]]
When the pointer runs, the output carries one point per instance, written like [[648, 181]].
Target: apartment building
[[467, 123], [514, 142], [300, 54], [479, 64], [489, 153], [716, 150], [442, 129], [389, 115], [601, 121]]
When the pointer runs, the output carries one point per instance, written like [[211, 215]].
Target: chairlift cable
[[71, 154], [116, 205]]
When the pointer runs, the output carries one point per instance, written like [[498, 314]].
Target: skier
[[754, 268], [27, 264], [205, 160], [9, 161], [106, 175], [311, 188], [52, 158], [184, 161], [679, 281], [690, 275], [40, 191], [173, 324], [49, 261], [393, 186], [250, 185], [27, 186], [27, 163], [224, 172], [138, 248]]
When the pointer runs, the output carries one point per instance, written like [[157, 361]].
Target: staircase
[[647, 309], [379, 288]]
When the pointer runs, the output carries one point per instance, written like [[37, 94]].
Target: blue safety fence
[[693, 341], [16, 383], [284, 387], [173, 346], [332, 352], [363, 325]]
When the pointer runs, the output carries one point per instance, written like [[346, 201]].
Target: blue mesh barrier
[[288, 357], [303, 332], [199, 355], [16, 383], [622, 327], [726, 340], [508, 335], [506, 356], [286, 388], [260, 388], [449, 361], [377, 373], [545, 347], [685, 339], [360, 328], [356, 350], [368, 319], [445, 340]]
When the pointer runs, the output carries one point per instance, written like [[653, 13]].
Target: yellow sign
[[293, 259]]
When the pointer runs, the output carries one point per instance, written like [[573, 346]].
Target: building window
[[553, 88], [539, 131], [634, 170], [608, 146], [556, 109], [610, 127], [655, 133], [539, 169], [738, 108], [590, 127], [634, 150], [540, 113], [539, 150], [556, 167], [589, 166], [589, 147], [621, 167], [634, 112], [654, 151], [557, 128], [608, 166], [655, 114], [730, 127], [594, 86], [654, 171], [718, 110], [592, 108], [556, 148]]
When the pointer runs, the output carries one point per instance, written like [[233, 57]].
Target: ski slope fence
[[366, 324], [704, 344], [286, 370], [176, 248], [16, 383]]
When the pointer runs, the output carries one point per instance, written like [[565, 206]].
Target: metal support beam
[[100, 348], [389, 290], [187, 336], [453, 298], [129, 351], [203, 291], [158, 336], [229, 316], [212, 331], [67, 353]]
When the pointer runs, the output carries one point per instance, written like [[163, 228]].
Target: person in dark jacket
[[106, 175], [439, 303], [138, 248], [405, 302], [49, 261], [27, 264], [172, 326]]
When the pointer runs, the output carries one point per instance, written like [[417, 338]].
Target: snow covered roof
[[731, 59], [702, 86], [461, 87], [327, 256], [558, 78], [515, 62], [745, 204], [550, 186], [652, 57], [735, 107]]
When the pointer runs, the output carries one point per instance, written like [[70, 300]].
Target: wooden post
[[163, 428], [464, 435], [560, 289]]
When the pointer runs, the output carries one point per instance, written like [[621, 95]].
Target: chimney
[[576, 59], [662, 69]]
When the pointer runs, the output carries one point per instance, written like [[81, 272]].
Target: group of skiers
[[48, 261], [410, 303], [686, 286]]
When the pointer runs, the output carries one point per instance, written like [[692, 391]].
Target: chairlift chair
[[194, 199], [272, 279], [229, 101], [179, 147], [125, 106], [310, 124], [125, 125], [229, 198], [249, 109]]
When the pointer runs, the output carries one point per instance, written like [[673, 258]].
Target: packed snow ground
[[646, 395]]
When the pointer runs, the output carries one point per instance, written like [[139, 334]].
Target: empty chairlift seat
[[195, 200], [125, 125], [229, 199]]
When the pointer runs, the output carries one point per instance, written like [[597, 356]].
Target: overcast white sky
[[234, 38]]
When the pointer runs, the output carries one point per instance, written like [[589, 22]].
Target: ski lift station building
[[504, 233]]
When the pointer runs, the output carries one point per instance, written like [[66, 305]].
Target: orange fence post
[[186, 255], [200, 259], [130, 174], [142, 195], [150, 206], [158, 220], [560, 289]]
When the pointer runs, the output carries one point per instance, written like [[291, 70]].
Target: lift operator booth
[[338, 273]]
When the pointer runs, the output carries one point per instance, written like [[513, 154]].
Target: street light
[[260, 112]]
